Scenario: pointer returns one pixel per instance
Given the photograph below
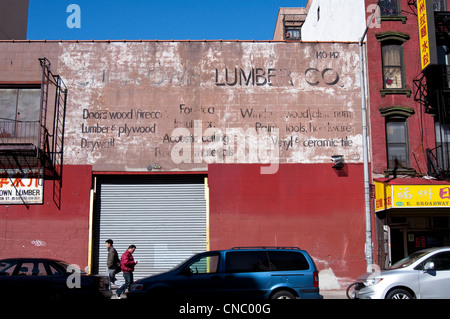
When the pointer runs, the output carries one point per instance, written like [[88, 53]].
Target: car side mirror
[[429, 266]]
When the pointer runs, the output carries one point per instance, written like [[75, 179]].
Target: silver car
[[423, 275]]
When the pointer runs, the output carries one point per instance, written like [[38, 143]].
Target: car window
[[53, 270], [32, 269], [205, 265], [407, 261], [287, 260], [246, 261], [441, 261], [72, 268], [7, 268]]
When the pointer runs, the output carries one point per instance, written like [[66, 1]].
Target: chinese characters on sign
[[420, 242], [423, 33], [21, 190], [411, 196], [421, 196], [383, 197], [425, 17]]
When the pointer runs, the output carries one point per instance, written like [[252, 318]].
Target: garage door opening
[[165, 216]]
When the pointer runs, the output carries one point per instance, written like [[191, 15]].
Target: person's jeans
[[128, 276], [112, 277]]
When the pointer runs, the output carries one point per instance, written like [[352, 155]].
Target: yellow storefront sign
[[423, 33], [411, 196], [425, 17], [383, 196]]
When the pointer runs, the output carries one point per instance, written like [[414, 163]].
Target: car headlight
[[372, 281]]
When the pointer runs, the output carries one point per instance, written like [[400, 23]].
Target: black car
[[49, 279]]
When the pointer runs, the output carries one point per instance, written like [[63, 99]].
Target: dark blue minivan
[[241, 272]]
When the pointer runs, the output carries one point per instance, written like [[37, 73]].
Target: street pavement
[[333, 294], [327, 294]]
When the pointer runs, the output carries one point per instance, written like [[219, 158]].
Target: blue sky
[[153, 19]]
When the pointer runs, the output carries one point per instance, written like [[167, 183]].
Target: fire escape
[[432, 92], [34, 149]]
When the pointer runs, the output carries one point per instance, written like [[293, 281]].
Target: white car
[[423, 275]]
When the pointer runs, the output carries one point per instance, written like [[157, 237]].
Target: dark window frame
[[388, 66], [392, 161], [440, 5], [390, 8], [205, 270], [393, 38], [237, 262]]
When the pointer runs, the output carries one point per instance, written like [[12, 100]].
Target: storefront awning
[[411, 193]]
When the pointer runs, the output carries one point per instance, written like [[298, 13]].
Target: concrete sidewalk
[[333, 294]]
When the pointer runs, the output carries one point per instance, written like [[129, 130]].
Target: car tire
[[283, 294], [399, 294]]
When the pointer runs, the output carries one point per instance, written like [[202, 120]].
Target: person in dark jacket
[[127, 264], [113, 263]]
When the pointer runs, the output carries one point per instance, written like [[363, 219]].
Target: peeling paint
[[224, 85], [328, 280], [38, 243]]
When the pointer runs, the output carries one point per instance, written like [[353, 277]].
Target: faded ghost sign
[[181, 105]]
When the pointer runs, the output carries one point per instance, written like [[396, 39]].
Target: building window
[[397, 145], [293, 34], [439, 5], [442, 133], [292, 24], [20, 112], [392, 57], [443, 58], [392, 62], [397, 142], [389, 7]]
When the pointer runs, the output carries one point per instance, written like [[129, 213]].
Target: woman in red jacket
[[127, 264]]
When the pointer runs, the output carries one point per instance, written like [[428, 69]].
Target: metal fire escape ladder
[[45, 64], [430, 103], [34, 149], [432, 93], [52, 145], [58, 138]]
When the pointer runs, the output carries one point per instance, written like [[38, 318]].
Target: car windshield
[[181, 263], [405, 262]]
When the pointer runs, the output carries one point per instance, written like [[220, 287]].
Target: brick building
[[411, 204], [13, 19]]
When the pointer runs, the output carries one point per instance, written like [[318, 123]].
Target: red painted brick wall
[[420, 125], [46, 231], [307, 205]]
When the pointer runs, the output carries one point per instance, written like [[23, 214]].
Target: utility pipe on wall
[[368, 250]]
